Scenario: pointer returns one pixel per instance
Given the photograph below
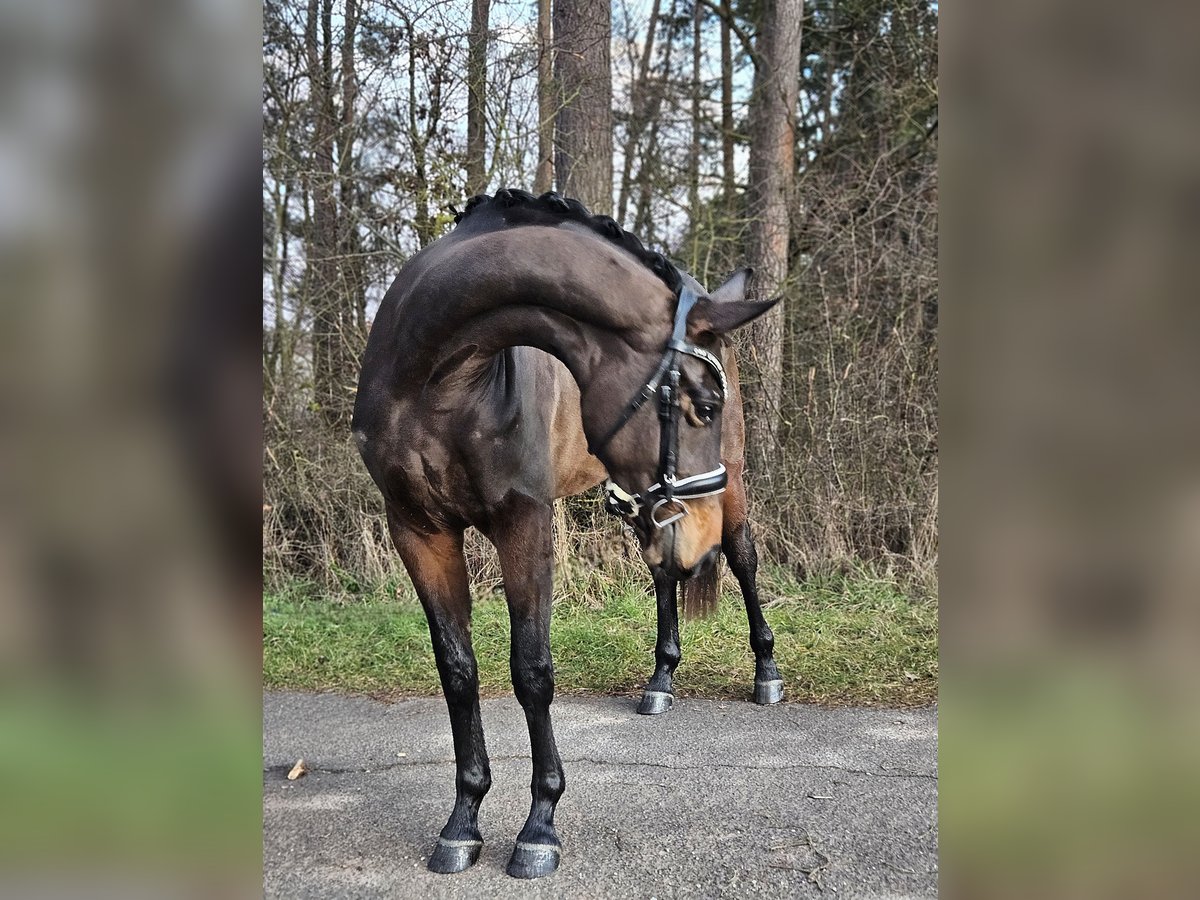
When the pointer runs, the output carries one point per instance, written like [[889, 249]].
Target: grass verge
[[849, 640]]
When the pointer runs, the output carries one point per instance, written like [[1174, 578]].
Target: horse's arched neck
[[570, 294], [581, 346]]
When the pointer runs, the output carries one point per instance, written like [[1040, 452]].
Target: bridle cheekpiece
[[667, 491]]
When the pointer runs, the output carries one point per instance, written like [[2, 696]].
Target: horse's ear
[[734, 287], [712, 317]]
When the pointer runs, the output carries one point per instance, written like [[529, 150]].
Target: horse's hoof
[[655, 702], [453, 856], [533, 860], [768, 691]]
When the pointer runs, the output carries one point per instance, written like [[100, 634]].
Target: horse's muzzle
[[680, 548], [679, 573]]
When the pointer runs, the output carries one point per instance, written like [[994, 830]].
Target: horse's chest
[[431, 476], [459, 464], [461, 476]]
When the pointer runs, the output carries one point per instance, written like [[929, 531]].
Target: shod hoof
[[453, 856], [655, 702], [766, 692], [533, 860]]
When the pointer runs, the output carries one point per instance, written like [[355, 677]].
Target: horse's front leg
[[438, 571], [660, 693], [525, 551], [738, 547]]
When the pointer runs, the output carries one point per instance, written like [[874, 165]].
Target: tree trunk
[[694, 156], [729, 178], [476, 96], [349, 95], [648, 168], [353, 293], [583, 69], [544, 179], [423, 223], [772, 168], [273, 349], [639, 97], [322, 274]]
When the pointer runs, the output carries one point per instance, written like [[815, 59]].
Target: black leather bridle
[[667, 491]]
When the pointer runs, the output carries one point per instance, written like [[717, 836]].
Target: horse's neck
[[556, 289]]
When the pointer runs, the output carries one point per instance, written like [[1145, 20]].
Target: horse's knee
[[460, 677], [738, 545], [533, 681]]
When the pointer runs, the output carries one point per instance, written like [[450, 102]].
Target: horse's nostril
[[673, 569], [701, 565]]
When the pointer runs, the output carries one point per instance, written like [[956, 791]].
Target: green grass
[[99, 780], [850, 640]]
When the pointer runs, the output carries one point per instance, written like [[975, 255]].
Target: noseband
[[667, 491]]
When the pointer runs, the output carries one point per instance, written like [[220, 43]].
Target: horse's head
[[663, 449]]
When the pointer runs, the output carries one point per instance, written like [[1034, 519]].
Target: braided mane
[[523, 208]]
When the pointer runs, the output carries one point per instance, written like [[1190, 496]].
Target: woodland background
[[796, 137]]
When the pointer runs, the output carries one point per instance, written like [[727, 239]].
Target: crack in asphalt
[[368, 770], [889, 773]]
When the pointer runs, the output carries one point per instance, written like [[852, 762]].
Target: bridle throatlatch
[[667, 491]]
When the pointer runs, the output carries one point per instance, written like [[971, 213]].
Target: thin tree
[[321, 279], [583, 73], [772, 167], [476, 96], [353, 294], [643, 222], [425, 52], [544, 177], [728, 177], [639, 113], [694, 154], [730, 27]]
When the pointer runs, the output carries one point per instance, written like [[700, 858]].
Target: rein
[[664, 383]]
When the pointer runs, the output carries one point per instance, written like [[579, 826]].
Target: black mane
[[523, 208]]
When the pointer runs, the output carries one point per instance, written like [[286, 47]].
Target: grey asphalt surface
[[711, 799]]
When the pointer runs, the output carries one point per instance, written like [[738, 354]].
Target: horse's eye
[[705, 412]]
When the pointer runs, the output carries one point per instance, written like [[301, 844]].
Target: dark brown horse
[[513, 362]]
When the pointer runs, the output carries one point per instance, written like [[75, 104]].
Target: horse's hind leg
[[660, 693], [437, 568], [738, 546], [523, 544]]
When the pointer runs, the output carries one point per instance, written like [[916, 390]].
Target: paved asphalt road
[[709, 800]]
